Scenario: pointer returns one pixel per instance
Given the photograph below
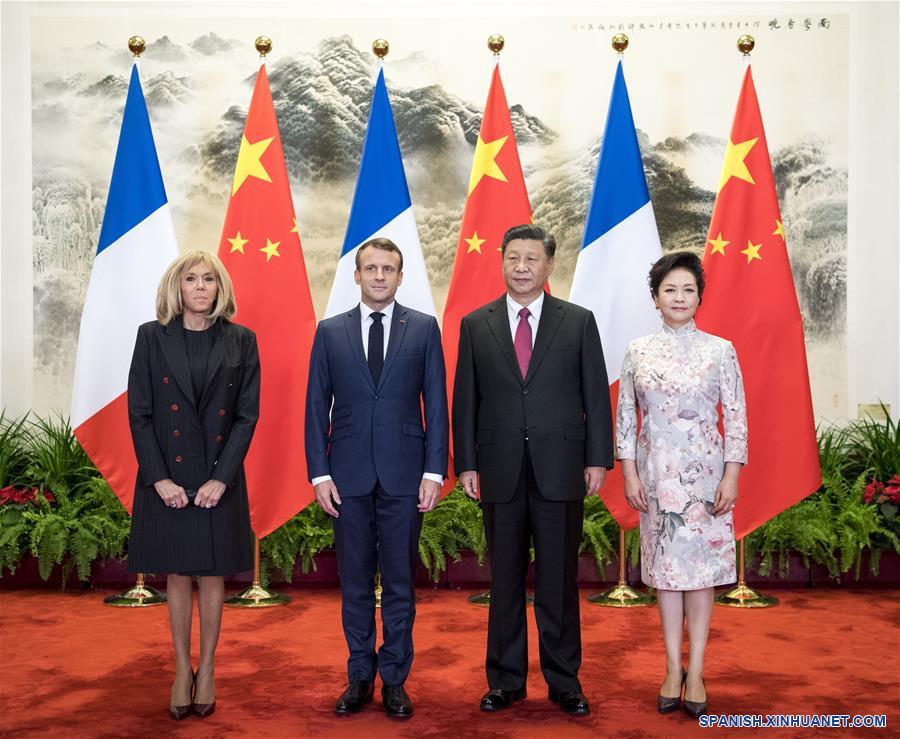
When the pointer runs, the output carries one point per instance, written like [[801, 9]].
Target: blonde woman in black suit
[[193, 402]]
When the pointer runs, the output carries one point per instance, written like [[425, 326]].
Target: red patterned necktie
[[522, 344]]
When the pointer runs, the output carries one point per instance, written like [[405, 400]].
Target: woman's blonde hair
[[169, 304]]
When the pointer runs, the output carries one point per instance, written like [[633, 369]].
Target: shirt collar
[[689, 328], [535, 306], [365, 311]]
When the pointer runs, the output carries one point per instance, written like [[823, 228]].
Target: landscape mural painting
[[197, 82]]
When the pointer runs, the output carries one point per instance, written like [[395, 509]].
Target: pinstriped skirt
[[191, 541]]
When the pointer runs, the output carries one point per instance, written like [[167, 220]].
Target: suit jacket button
[[176, 433], [525, 391], [219, 438], [165, 380], [221, 411], [174, 406], [376, 397], [178, 458]]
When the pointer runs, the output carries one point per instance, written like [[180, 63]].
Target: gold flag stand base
[[256, 596], [743, 596], [139, 596], [484, 599], [622, 595]]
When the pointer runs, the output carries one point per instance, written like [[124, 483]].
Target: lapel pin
[[402, 321]]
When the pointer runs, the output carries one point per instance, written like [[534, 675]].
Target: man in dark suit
[[375, 468], [532, 424]]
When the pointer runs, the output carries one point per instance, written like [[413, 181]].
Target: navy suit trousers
[[378, 531]]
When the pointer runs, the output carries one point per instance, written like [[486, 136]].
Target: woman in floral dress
[[678, 473]]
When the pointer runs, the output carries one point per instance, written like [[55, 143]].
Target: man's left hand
[[593, 479], [429, 492]]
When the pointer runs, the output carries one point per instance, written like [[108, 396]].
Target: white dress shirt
[[513, 308], [365, 319]]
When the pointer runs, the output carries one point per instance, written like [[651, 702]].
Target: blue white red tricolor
[[137, 242], [619, 246]]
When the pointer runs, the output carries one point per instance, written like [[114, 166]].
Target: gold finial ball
[[136, 45], [496, 43], [263, 45], [745, 44], [620, 42], [380, 48]]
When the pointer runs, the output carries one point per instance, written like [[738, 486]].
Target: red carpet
[[72, 667]]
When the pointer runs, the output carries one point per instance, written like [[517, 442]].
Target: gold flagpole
[[622, 595], [138, 596], [741, 595], [256, 596]]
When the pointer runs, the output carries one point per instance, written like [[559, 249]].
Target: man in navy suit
[[375, 467]]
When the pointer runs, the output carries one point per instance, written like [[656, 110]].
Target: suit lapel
[[353, 323], [171, 341], [498, 322], [399, 322], [214, 363], [551, 317]]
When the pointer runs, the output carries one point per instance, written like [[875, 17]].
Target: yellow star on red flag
[[734, 165], [249, 164], [718, 245], [237, 243], [779, 229], [752, 251], [484, 163], [474, 243], [271, 249]]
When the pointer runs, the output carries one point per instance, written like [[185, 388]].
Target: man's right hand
[[469, 482], [172, 495], [327, 496]]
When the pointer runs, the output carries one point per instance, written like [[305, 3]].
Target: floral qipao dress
[[677, 378]]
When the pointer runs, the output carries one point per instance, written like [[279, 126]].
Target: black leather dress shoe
[[499, 699], [573, 703], [396, 702], [355, 697], [666, 704]]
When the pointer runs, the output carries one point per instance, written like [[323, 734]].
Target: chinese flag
[[750, 300], [260, 246], [496, 201]]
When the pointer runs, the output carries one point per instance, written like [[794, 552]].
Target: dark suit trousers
[[556, 527], [378, 530]]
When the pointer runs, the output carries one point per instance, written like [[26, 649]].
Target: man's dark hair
[[384, 245], [677, 260], [530, 232]]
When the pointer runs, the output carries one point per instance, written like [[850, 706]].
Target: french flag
[[137, 243], [381, 208], [620, 245]]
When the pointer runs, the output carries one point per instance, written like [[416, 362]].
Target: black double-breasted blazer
[[562, 405], [191, 440]]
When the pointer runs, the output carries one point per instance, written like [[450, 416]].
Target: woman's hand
[[209, 494], [727, 489], [172, 495], [635, 495]]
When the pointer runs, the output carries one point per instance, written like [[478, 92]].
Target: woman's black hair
[[677, 260]]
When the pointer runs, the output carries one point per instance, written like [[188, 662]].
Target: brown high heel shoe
[[177, 713], [695, 709], [667, 705], [202, 710]]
